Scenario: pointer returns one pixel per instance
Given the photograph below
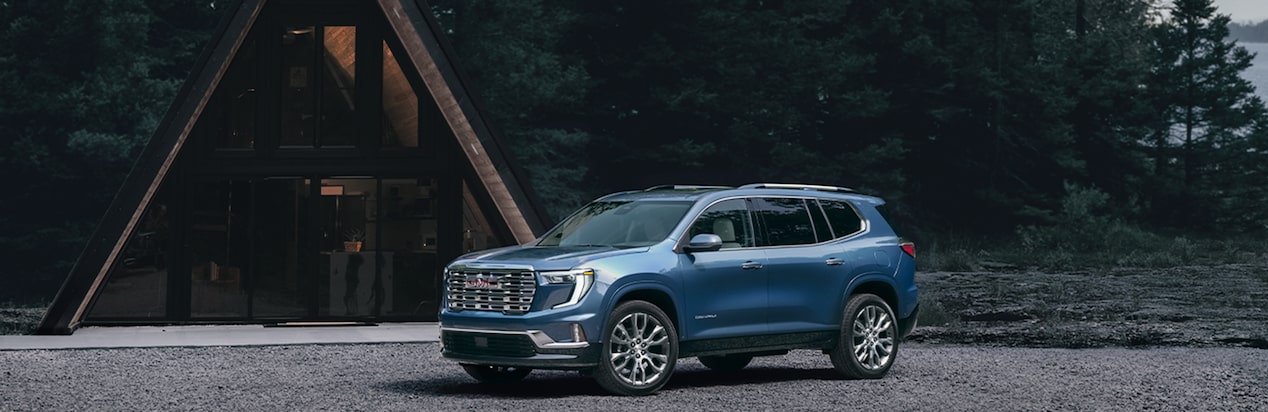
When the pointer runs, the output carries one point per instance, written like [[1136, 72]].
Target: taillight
[[909, 248]]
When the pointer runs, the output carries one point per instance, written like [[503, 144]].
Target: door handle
[[751, 265], [834, 262]]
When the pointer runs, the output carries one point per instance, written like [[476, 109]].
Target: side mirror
[[703, 242]]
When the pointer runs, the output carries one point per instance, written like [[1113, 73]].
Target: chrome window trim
[[865, 227], [683, 239]]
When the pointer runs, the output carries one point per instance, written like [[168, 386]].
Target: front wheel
[[868, 342], [640, 349], [496, 375]]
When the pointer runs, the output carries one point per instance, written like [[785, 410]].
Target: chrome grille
[[508, 291]]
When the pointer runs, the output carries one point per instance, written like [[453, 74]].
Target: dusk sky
[[1244, 10]]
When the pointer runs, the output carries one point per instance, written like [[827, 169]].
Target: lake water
[[1258, 73]]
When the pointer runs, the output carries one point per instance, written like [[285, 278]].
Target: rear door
[[808, 266]]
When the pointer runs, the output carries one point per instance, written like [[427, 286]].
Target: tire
[[640, 350], [727, 363], [868, 343], [496, 375]]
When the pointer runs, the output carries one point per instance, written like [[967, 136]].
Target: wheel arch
[[653, 293], [877, 285]]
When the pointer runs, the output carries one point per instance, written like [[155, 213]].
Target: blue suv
[[634, 281]]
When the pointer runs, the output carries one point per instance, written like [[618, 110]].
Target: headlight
[[580, 279]]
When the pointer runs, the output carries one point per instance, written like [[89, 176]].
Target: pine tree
[[530, 87], [1206, 112], [82, 85]]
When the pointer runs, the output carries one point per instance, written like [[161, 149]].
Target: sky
[[1244, 10]]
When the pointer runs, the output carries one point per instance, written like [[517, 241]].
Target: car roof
[[695, 193]]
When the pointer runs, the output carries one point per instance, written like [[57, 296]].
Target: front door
[[725, 290]]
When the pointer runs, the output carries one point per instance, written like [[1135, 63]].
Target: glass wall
[[219, 248], [378, 246], [238, 101], [291, 248], [137, 283], [278, 282], [400, 105], [477, 234], [253, 233], [408, 233], [352, 280], [319, 78]]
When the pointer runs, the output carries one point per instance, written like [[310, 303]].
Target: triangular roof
[[430, 55]]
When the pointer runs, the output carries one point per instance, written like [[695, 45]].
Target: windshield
[[618, 224]]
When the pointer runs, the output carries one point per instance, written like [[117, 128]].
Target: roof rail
[[797, 186], [685, 187]]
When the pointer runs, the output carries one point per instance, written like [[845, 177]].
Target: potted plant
[[352, 239]]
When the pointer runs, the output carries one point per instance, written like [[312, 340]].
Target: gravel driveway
[[414, 377]]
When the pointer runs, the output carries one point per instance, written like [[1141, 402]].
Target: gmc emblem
[[483, 283]]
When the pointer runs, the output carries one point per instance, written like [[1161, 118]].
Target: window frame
[[748, 224], [864, 225]]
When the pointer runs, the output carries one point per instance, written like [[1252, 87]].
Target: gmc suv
[[634, 281]]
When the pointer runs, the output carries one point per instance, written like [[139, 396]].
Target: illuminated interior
[[316, 244]]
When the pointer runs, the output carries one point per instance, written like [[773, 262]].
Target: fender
[[640, 282], [888, 280]]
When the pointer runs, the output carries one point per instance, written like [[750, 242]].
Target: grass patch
[[952, 255], [933, 313], [20, 319], [1082, 236]]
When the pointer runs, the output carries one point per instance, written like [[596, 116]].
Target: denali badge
[[480, 282]]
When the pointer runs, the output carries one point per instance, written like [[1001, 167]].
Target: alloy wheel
[[640, 349]]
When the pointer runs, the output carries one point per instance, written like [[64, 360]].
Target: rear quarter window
[[844, 220]]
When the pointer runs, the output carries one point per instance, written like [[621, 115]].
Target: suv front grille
[[509, 291]]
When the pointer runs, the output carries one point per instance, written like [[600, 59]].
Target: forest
[[1076, 126], [1249, 32]]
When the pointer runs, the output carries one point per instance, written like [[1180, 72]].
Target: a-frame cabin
[[323, 161]]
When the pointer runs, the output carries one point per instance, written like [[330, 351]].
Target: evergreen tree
[[1106, 62], [82, 85], [734, 92], [1249, 32], [1206, 113], [532, 89]]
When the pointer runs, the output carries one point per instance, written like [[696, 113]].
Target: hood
[[548, 257]]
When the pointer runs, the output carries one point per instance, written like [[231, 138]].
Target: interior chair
[[725, 229]]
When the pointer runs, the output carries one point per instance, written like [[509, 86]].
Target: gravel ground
[[414, 377]]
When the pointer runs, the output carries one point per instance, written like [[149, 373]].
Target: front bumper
[[531, 348]]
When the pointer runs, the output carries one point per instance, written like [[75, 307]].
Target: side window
[[844, 220], [823, 232], [787, 221], [729, 219]]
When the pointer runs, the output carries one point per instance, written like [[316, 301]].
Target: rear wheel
[[728, 363], [869, 338], [496, 375], [640, 349]]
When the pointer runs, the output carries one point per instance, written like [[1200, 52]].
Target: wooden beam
[[473, 136]]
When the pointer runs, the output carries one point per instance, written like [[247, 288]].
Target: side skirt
[[757, 345]]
